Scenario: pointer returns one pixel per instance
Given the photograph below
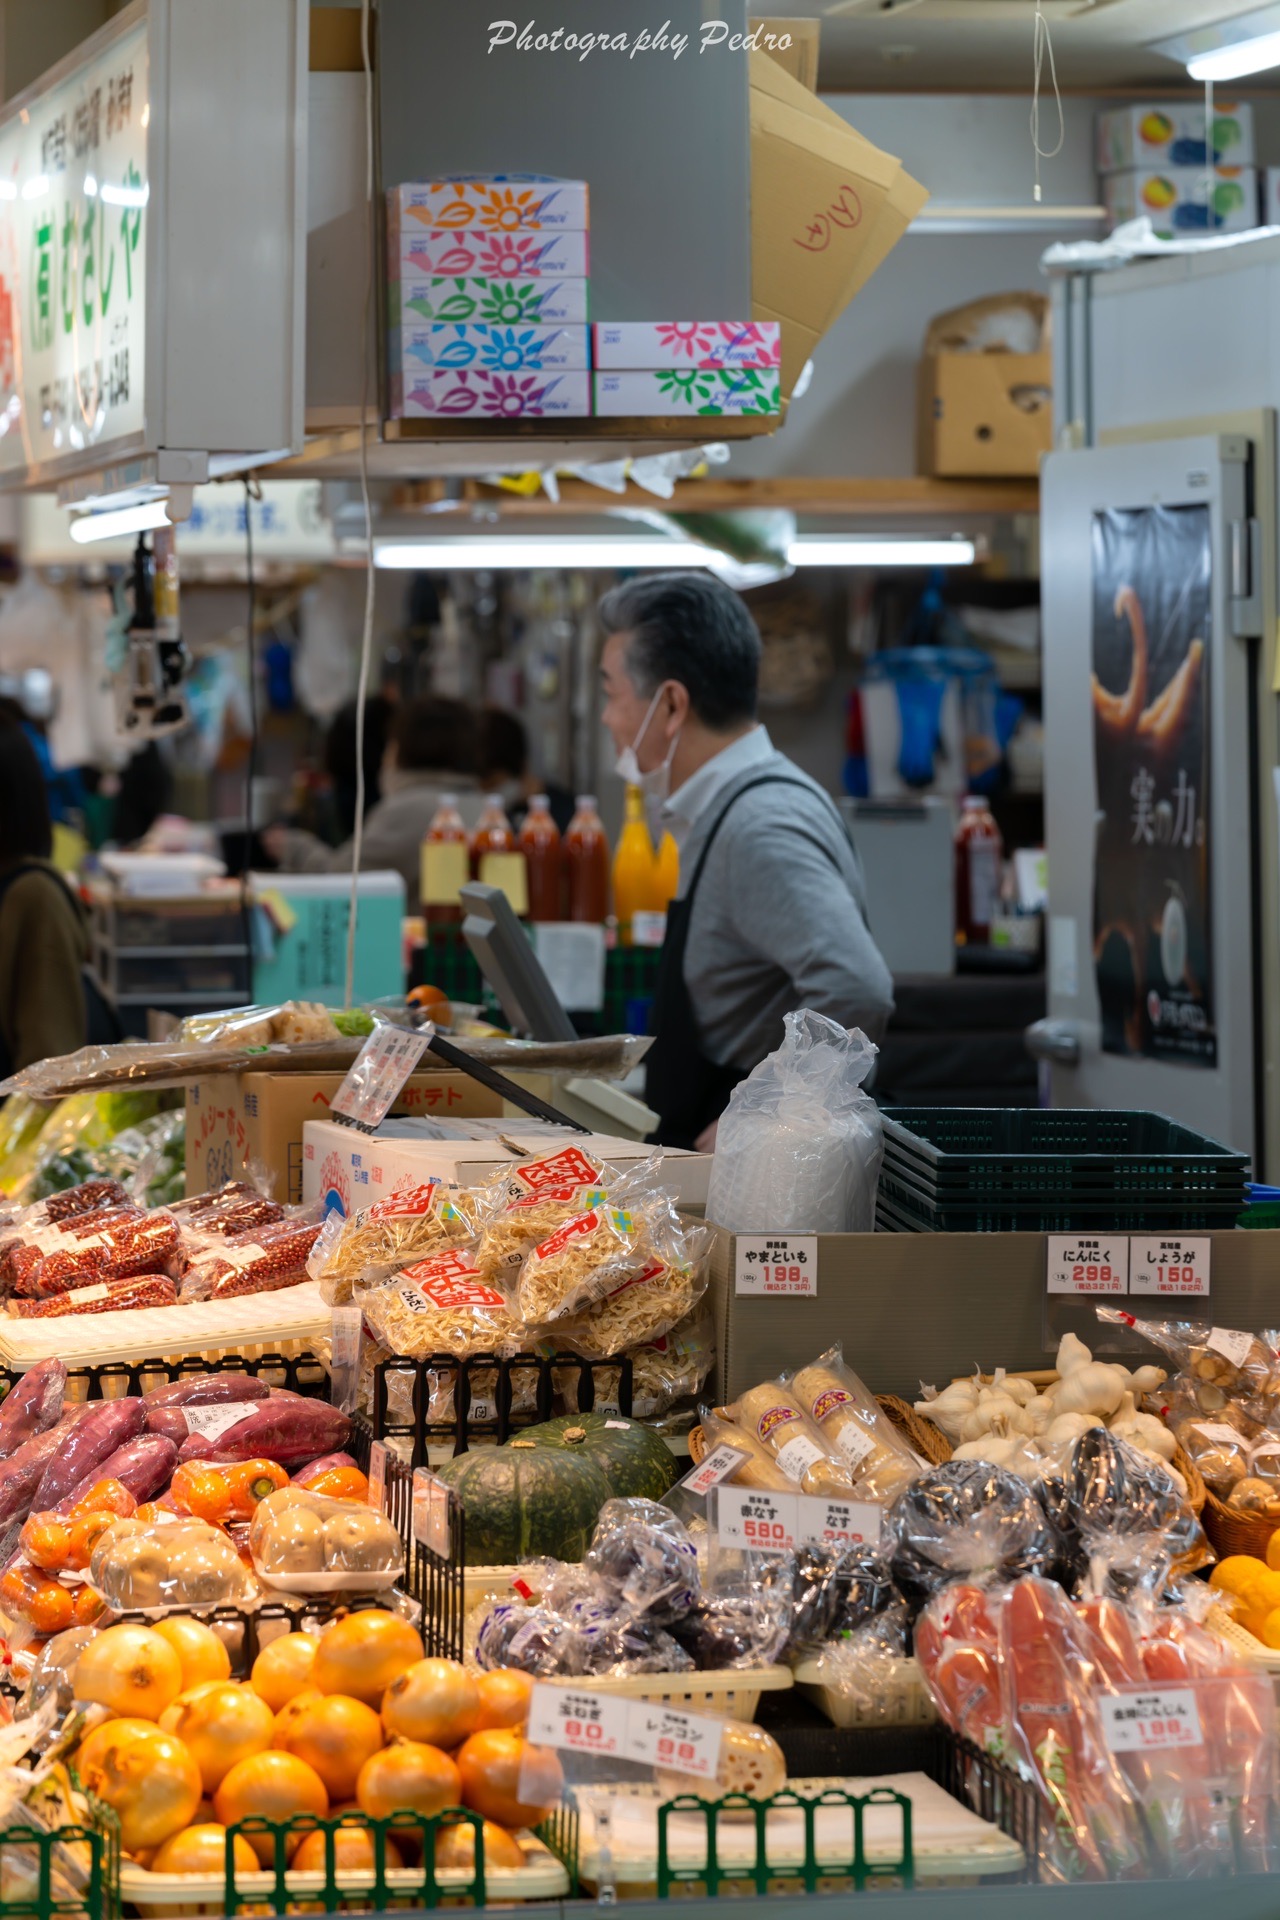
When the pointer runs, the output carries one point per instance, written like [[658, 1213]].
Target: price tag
[[214, 1420], [377, 1075], [856, 1522], [1084, 1263], [669, 1737], [776, 1263], [719, 1464], [344, 1357], [1138, 1720], [578, 1721], [765, 1522], [378, 1476], [1169, 1265], [1231, 1345], [431, 1512], [86, 1295]]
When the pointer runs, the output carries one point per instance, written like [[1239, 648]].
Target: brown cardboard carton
[[800, 59], [234, 1120], [827, 207], [985, 415]]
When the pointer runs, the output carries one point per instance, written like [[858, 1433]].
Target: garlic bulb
[[1072, 1353], [1069, 1426], [947, 1409], [1146, 1380], [998, 1415], [1092, 1388], [994, 1448]]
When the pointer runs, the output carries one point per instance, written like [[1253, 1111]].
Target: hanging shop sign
[[152, 272], [1152, 917]]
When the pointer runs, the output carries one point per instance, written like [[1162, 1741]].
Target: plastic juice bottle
[[540, 844], [668, 872], [979, 850], [445, 864], [586, 862], [635, 867], [492, 833]]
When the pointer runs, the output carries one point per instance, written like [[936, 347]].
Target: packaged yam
[[759, 1469], [840, 1406], [444, 1305], [775, 1417], [395, 1232]]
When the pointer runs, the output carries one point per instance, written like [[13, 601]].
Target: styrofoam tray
[[904, 1701], [541, 1878], [250, 1324], [947, 1838]]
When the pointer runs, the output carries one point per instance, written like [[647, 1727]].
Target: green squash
[[541, 1493]]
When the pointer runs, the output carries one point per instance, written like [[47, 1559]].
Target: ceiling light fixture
[[541, 552], [1230, 49], [118, 521]]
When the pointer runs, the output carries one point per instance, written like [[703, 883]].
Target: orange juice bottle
[[586, 862], [540, 844], [668, 872], [445, 864], [635, 867]]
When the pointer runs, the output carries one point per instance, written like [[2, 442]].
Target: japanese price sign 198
[[1145, 1719], [1085, 1263], [776, 1263]]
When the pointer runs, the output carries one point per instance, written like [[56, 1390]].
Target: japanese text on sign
[[377, 1074], [776, 1264], [1169, 1266], [1087, 1264], [718, 1465], [1138, 1720], [777, 1522], [669, 1737], [578, 1721]]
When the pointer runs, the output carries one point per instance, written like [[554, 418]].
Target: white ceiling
[[986, 45]]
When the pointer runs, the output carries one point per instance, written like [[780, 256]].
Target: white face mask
[[656, 785]]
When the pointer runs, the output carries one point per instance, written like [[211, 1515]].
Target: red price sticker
[[853, 1522], [1087, 1264], [1145, 1720], [1170, 1266]]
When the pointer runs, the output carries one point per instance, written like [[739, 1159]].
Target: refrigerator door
[[1149, 797]]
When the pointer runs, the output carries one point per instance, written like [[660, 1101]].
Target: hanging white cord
[[1210, 157], [366, 637], [1043, 47]]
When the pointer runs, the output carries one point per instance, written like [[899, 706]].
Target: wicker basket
[[1231, 1531]]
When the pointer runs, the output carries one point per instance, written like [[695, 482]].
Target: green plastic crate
[[35, 1883]]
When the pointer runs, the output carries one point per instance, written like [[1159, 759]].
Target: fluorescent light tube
[[117, 521], [502, 551], [1233, 62]]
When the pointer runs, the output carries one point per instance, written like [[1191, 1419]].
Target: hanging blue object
[[922, 676], [278, 662]]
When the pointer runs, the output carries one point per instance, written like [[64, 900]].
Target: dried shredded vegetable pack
[[589, 1257], [443, 1305], [668, 1370], [642, 1306], [413, 1225]]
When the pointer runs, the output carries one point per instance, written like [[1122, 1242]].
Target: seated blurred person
[[44, 944], [433, 750], [504, 763]]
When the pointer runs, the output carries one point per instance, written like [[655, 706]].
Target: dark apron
[[685, 1089]]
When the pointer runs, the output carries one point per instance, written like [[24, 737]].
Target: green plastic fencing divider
[[559, 1834], [376, 1897], [762, 1872], [35, 1884]]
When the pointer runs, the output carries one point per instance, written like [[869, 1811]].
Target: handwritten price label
[[1145, 1720], [1087, 1263]]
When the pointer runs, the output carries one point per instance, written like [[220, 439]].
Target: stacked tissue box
[[675, 367], [488, 297]]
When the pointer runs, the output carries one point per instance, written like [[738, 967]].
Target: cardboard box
[[488, 396], [912, 1307], [984, 414], [799, 57], [349, 1170], [493, 349], [1172, 134], [506, 202], [233, 1119], [504, 255], [685, 343], [672, 392], [827, 208], [1177, 200], [418, 300]]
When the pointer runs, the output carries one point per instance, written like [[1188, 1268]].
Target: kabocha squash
[[541, 1492]]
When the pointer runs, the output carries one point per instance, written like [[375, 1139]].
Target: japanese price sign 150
[[73, 212]]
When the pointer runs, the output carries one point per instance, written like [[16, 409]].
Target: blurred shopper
[[340, 750], [433, 750], [145, 792], [771, 912], [44, 945], [504, 763]]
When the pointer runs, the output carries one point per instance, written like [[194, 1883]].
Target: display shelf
[[917, 495]]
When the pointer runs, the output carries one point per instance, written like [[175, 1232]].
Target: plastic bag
[[117, 1244], [666, 1373], [773, 1415], [1222, 1364], [395, 1232], [147, 1568], [800, 1144], [644, 1306], [305, 1542], [443, 1305], [966, 1520], [724, 1631], [751, 1762], [260, 1260], [594, 1254], [847, 1415], [1119, 1516], [645, 1560]]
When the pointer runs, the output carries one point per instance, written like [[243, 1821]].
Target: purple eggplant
[[289, 1430], [107, 1425], [143, 1466], [206, 1390], [33, 1407], [22, 1473]]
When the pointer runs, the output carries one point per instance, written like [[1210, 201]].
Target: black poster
[[1152, 920]]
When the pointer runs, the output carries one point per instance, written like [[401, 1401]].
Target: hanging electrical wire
[[366, 636], [1043, 49]]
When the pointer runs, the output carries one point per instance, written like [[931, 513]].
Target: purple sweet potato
[[22, 1472], [106, 1426], [34, 1405], [288, 1429], [206, 1390], [143, 1466]]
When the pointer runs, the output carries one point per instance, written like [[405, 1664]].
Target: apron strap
[[761, 780]]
